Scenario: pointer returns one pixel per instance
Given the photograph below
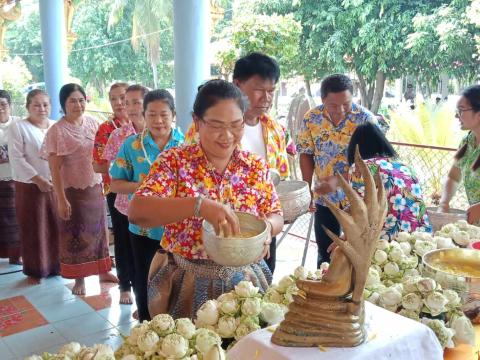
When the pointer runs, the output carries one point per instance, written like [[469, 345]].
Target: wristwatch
[[198, 204]]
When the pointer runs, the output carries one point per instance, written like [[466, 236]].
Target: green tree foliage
[[23, 37], [148, 19], [275, 35], [100, 65]]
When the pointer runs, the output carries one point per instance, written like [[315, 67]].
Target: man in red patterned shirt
[[124, 263]]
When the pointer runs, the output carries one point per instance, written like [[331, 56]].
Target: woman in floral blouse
[[208, 181], [467, 158], [406, 208]]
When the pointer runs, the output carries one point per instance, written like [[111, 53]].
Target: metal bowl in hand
[[294, 197], [457, 269], [236, 251], [438, 219]]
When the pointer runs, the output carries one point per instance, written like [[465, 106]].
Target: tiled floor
[[38, 318]]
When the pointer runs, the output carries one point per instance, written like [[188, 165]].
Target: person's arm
[[121, 186], [101, 168], [449, 188], [152, 211], [55, 163], [100, 165], [276, 221]]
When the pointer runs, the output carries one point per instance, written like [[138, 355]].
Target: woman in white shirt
[[35, 200], [10, 246]]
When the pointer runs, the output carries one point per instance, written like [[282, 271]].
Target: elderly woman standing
[[10, 245], [191, 183], [35, 200], [83, 236]]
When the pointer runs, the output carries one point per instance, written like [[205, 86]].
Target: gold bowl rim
[[472, 252]]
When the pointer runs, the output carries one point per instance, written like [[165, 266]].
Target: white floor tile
[[30, 341], [48, 296], [118, 314], [82, 326], [126, 328], [66, 310], [5, 351]]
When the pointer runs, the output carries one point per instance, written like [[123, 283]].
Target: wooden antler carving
[[331, 312]]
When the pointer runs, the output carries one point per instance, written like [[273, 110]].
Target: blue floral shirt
[[133, 164]]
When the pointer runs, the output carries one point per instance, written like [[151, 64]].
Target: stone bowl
[[234, 251], [450, 268], [439, 219], [294, 196]]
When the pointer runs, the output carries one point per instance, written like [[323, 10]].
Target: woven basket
[[295, 198], [439, 219]]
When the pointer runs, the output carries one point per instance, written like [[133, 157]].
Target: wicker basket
[[295, 198], [439, 219]]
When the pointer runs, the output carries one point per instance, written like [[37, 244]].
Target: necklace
[[142, 138]]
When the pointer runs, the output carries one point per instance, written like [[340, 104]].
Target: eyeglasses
[[219, 127], [459, 112]]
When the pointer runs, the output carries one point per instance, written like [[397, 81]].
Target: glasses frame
[[221, 128]]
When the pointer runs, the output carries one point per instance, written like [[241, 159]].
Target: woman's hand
[[222, 217], [64, 209], [268, 240], [326, 185], [43, 184], [473, 214], [443, 208]]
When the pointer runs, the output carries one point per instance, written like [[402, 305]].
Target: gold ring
[[223, 222]]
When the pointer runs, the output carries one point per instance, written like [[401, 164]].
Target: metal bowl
[[233, 251], [439, 219], [294, 196], [468, 287], [275, 176]]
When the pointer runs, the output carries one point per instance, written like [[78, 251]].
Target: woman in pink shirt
[[68, 146]]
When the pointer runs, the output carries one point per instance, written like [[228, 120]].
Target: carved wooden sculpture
[[330, 312]]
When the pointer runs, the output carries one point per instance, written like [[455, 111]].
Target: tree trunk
[[363, 90], [308, 87], [371, 91], [378, 94], [155, 74]]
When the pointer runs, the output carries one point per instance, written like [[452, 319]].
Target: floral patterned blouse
[[406, 208], [101, 138], [328, 143], [471, 179], [110, 152], [186, 172], [133, 164], [277, 140]]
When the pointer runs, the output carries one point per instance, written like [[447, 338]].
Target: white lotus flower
[[227, 303], [96, 352], [461, 237], [207, 314], [206, 339], [163, 324], [444, 334], [226, 326], [324, 267], [273, 313], [147, 342], [449, 229], [391, 269], [397, 255], [300, 273], [406, 248], [291, 291], [373, 297], [462, 224], [246, 289], [411, 262], [285, 283], [403, 237], [390, 297], [245, 327], [464, 331], [137, 331], [452, 297], [425, 285], [174, 346], [130, 357], [34, 357], [412, 302], [421, 247], [373, 278], [70, 349], [380, 257], [215, 353], [251, 307], [420, 235], [435, 302], [411, 273], [273, 296], [185, 328], [444, 242], [409, 314]]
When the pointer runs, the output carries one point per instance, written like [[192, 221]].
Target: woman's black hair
[[472, 94], [159, 95], [214, 91], [67, 90], [371, 143]]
